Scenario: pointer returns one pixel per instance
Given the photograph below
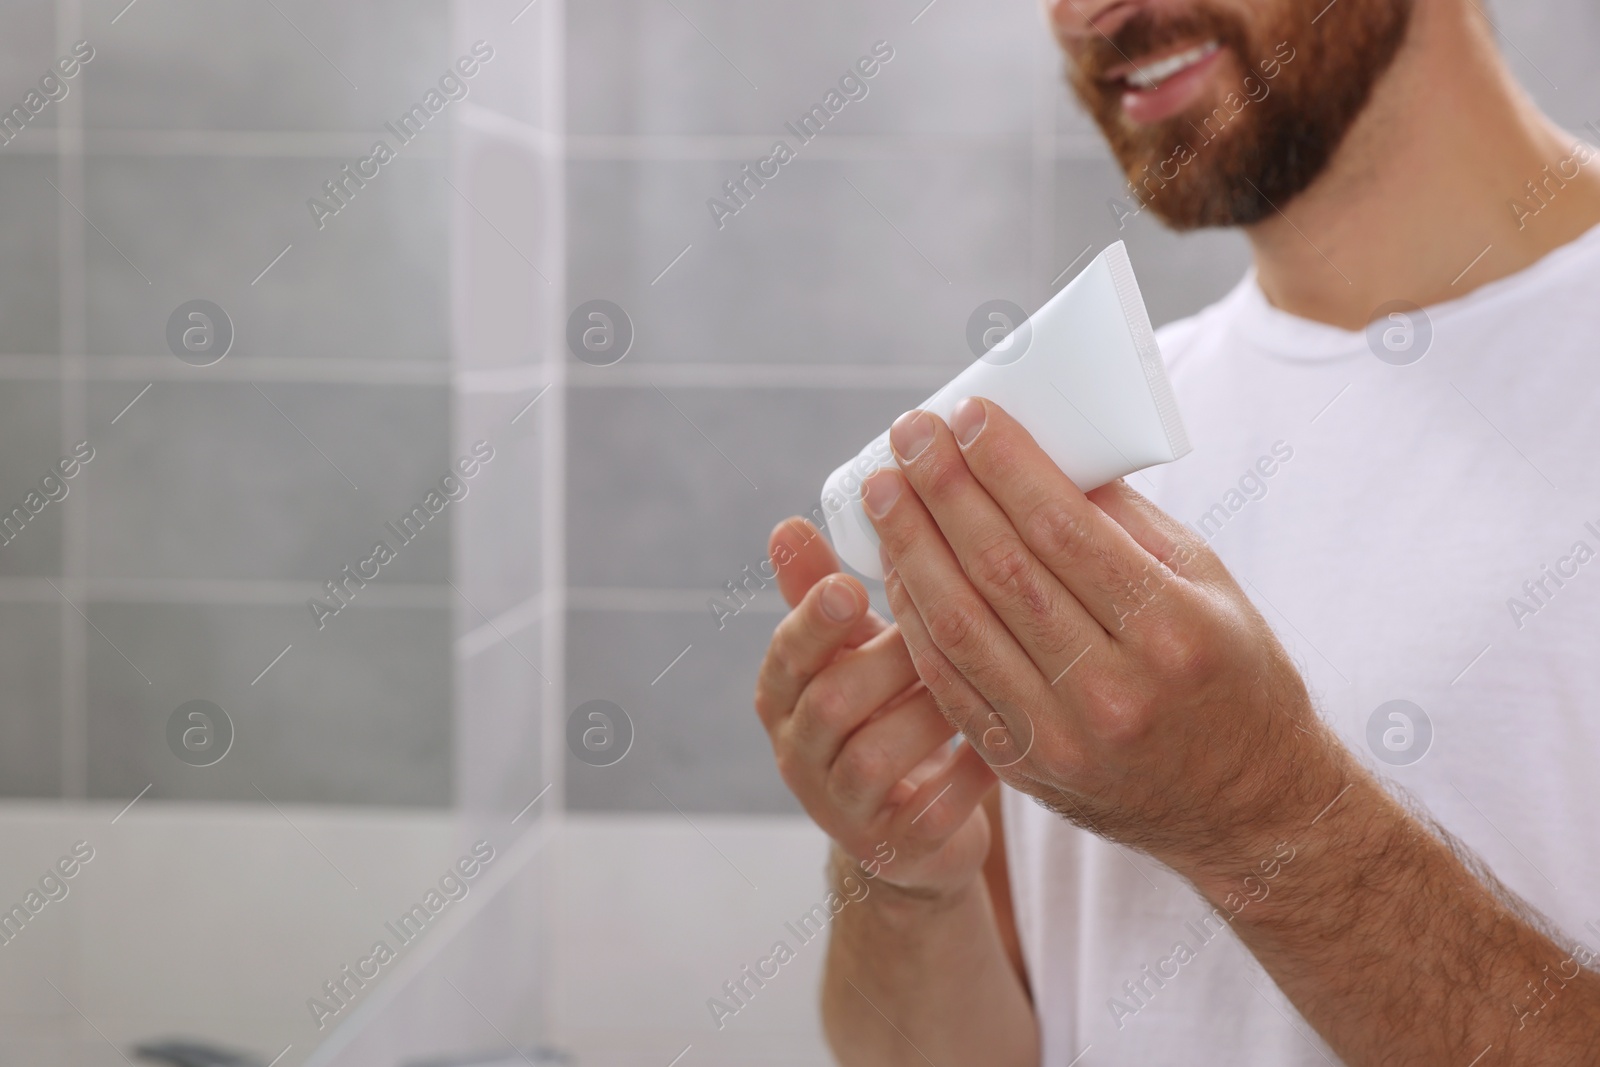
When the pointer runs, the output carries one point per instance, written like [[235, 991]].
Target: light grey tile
[[503, 691], [834, 262], [244, 482], [30, 310], [30, 725], [356, 714], [30, 448], [1551, 48], [507, 262], [653, 503], [498, 528], [719, 66], [524, 78], [697, 741], [1178, 273], [287, 65], [371, 283]]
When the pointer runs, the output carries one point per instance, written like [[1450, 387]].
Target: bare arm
[[915, 976], [922, 959], [1401, 949]]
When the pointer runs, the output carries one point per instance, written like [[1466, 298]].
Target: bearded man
[[1161, 838]]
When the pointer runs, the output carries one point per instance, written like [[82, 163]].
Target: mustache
[[1146, 33]]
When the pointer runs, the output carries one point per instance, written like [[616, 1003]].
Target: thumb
[[803, 558]]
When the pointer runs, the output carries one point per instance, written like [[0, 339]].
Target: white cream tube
[[1083, 375]]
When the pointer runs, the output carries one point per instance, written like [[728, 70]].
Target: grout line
[[516, 378], [69, 370]]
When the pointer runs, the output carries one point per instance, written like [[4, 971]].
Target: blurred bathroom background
[[349, 759]]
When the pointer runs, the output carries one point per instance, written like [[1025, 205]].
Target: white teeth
[[1153, 74]]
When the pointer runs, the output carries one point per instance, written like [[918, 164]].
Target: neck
[[1419, 202]]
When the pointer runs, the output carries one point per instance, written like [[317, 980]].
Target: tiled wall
[[369, 354]]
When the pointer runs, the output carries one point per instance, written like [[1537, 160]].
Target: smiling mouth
[[1150, 75]]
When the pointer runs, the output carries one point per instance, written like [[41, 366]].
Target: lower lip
[[1145, 106]]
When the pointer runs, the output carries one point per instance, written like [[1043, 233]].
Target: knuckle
[[1179, 649], [953, 626], [1056, 531], [930, 822], [1000, 566], [942, 476], [1116, 713], [858, 771], [824, 706]]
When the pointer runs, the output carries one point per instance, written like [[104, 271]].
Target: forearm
[[913, 977], [1398, 953]]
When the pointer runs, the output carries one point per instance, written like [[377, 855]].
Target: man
[[1189, 859]]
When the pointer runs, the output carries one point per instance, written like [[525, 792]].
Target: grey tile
[[30, 310], [498, 528], [719, 66], [28, 53], [697, 742], [812, 270], [30, 723], [30, 444], [358, 714], [1178, 273], [372, 283], [289, 65], [507, 262], [213, 481], [30, 39], [652, 503]]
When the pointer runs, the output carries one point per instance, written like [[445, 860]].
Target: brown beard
[[1250, 156]]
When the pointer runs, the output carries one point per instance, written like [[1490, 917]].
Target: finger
[[842, 696], [805, 642], [1178, 547], [1003, 734], [884, 751], [802, 558], [1104, 567], [1044, 617], [954, 616], [958, 700], [939, 806]]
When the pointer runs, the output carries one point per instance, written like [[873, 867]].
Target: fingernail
[[880, 491], [838, 601], [910, 434], [967, 419]]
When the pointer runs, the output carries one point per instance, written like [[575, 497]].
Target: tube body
[[1083, 375]]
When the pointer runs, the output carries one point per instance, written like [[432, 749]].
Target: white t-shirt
[[1389, 546]]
